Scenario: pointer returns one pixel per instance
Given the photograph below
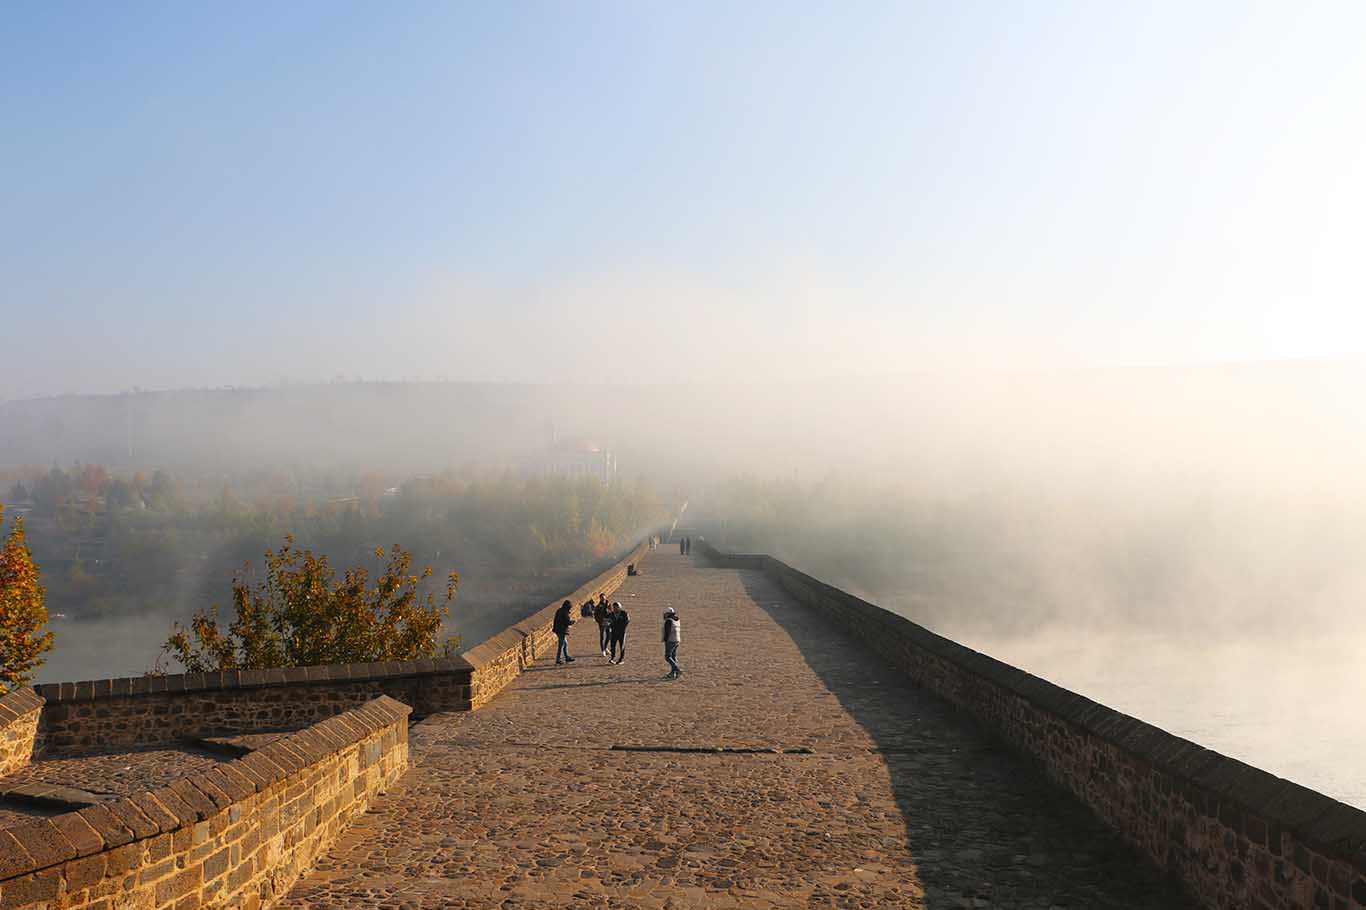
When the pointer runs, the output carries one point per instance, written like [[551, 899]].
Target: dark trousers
[[618, 642]]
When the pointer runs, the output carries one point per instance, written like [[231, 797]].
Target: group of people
[[684, 546], [612, 620]]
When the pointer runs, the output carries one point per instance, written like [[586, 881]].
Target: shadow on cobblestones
[[985, 828], [600, 683]]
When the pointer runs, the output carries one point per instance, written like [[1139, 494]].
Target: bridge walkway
[[900, 802]]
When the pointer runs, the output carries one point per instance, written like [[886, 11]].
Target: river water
[[1289, 705]]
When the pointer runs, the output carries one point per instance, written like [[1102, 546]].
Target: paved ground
[[900, 803], [93, 778]]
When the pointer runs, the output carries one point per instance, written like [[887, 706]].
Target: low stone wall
[[238, 835], [18, 727], [143, 711], [1236, 836], [499, 660]]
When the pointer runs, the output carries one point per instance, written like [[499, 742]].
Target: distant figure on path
[[673, 633], [564, 618], [682, 546], [620, 620], [601, 617]]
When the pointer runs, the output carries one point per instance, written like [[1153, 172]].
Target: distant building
[[574, 458]]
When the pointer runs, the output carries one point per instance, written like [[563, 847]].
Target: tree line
[[113, 543]]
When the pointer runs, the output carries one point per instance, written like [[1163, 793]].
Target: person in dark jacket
[[620, 620], [601, 615], [564, 618]]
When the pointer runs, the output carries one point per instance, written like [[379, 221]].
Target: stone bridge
[[817, 752], [790, 766]]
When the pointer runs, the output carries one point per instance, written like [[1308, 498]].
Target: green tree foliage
[[22, 612], [113, 542], [301, 614]]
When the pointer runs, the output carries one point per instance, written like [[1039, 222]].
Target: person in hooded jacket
[[564, 618], [620, 620], [672, 635]]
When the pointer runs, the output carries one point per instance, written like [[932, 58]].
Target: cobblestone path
[[899, 803]]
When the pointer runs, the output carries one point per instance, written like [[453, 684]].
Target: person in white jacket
[[672, 635]]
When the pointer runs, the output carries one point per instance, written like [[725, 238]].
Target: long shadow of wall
[[985, 827]]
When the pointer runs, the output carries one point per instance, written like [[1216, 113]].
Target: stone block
[[14, 859], [122, 860], [79, 833], [112, 831], [133, 818], [43, 842], [202, 806], [34, 888], [83, 872]]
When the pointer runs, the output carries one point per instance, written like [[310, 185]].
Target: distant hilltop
[[684, 422], [353, 423]]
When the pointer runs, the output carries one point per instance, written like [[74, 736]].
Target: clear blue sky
[[199, 194]]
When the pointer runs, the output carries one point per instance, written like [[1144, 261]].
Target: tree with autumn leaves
[[23, 615], [301, 614]]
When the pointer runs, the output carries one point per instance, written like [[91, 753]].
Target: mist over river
[[1288, 705]]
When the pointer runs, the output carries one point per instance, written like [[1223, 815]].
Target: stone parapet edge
[[19, 711], [126, 686], [500, 659], [123, 687], [511, 638], [1244, 798], [37, 845], [17, 703]]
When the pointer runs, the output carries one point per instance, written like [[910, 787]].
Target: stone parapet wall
[[238, 835], [19, 712], [499, 660], [138, 712], [1236, 836]]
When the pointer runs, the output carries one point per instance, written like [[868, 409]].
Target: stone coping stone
[[38, 844], [135, 686], [15, 704], [1314, 819]]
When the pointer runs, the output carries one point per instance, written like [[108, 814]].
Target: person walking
[[682, 546], [564, 618], [601, 615], [672, 635], [620, 620]]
